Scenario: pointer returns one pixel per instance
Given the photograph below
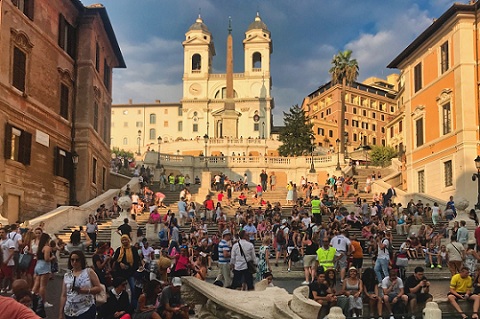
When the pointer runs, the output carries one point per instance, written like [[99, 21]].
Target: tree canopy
[[344, 68], [297, 133], [381, 155]]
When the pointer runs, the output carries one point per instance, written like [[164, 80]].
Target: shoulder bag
[[252, 268], [101, 297]]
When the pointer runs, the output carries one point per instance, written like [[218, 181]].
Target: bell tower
[[198, 51]]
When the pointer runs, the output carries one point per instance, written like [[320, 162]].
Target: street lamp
[[73, 186], [139, 138], [205, 139], [159, 140], [312, 165], [346, 144], [477, 177], [338, 168], [263, 131], [366, 156]]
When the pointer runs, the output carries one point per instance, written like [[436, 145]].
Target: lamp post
[[346, 144], [312, 165], [205, 139], [366, 157], [139, 138], [338, 168], [477, 177], [159, 140], [263, 130], [73, 186]]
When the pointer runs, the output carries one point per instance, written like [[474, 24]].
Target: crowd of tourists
[[317, 232]]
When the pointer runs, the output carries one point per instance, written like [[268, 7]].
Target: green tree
[[344, 70], [296, 136], [381, 155], [122, 153]]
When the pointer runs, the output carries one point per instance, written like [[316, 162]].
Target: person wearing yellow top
[[326, 255], [461, 288]]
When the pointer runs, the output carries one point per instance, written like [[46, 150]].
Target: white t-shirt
[[16, 238], [340, 243], [383, 252], [386, 283], [6, 245], [146, 252]]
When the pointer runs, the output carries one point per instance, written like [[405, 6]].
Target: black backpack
[[295, 255]]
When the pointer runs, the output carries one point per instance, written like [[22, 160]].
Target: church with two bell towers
[[227, 105]]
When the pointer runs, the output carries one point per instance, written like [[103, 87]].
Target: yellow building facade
[[438, 94]]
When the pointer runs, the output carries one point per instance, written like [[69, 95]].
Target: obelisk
[[229, 116]]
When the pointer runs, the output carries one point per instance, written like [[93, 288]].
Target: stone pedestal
[[204, 189], [125, 204], [335, 313], [151, 232], [431, 311]]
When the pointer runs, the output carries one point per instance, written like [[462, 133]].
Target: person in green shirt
[[317, 216]]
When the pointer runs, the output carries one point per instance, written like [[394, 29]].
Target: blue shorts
[[43, 267]]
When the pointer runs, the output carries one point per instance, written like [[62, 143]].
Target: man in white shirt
[[344, 247], [16, 237], [383, 256], [393, 292], [242, 278], [7, 248]]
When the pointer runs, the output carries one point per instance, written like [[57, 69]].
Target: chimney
[[157, 101], [130, 101]]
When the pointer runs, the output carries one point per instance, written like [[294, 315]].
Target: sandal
[[464, 316], [474, 315]]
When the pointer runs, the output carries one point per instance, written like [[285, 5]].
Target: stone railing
[[64, 216]]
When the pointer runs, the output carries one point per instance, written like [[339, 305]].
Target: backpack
[[162, 235], [295, 255], [280, 236]]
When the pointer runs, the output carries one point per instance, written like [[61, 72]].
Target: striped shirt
[[223, 245]]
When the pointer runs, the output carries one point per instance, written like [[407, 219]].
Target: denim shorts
[[43, 267]]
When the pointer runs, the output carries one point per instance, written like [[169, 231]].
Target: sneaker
[[391, 316], [439, 266], [305, 283], [47, 304], [354, 315], [413, 317], [432, 266], [288, 269]]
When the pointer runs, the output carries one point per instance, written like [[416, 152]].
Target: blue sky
[[305, 33]]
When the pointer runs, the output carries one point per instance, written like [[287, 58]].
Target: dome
[[258, 24], [198, 25]]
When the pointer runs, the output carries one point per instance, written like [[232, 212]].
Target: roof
[[100, 9], [355, 85], [258, 24], [198, 25], [430, 31]]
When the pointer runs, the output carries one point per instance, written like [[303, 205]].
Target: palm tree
[[344, 70]]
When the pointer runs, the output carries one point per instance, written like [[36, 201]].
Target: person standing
[[16, 237], [92, 231], [242, 252], [316, 212], [326, 255], [224, 251], [383, 257], [456, 255], [273, 181], [7, 265], [263, 258], [462, 233], [43, 268], [343, 248], [125, 262], [263, 180], [309, 258]]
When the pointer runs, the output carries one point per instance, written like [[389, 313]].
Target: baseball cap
[[226, 232], [177, 282], [284, 221]]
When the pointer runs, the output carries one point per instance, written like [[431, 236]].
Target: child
[[443, 256]]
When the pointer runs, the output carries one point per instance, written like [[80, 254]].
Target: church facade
[[219, 105]]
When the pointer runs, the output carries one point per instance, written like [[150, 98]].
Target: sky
[[306, 34]]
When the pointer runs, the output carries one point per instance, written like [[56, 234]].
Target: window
[[321, 131], [421, 181], [354, 110], [97, 57], [153, 118], [354, 137], [392, 109], [374, 115], [195, 127], [180, 111], [364, 112], [448, 172], [106, 74], [63, 163], [382, 117], [382, 129], [152, 134], [196, 62], [446, 118], [374, 127], [138, 124], [180, 126], [400, 127], [19, 69], [95, 116], [125, 141], [374, 141], [346, 122], [125, 124], [105, 128], [257, 60], [94, 170], [392, 131], [66, 36], [18, 144], [165, 123], [444, 63], [417, 74], [419, 131], [165, 111], [26, 6], [330, 133], [64, 100], [256, 127]]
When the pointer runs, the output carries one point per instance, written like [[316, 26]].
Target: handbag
[[24, 261], [402, 262], [101, 297], [252, 268]]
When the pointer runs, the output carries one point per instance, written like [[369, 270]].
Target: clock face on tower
[[195, 89]]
